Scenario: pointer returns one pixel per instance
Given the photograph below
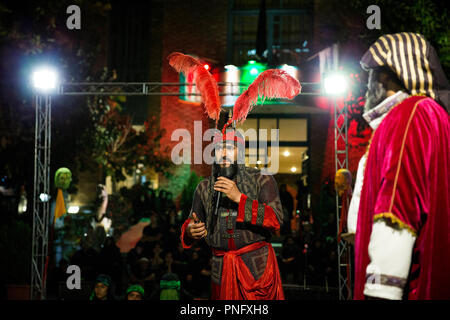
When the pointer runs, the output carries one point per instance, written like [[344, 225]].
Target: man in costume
[[400, 210], [244, 265]]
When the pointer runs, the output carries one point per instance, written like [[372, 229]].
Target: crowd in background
[[307, 255]]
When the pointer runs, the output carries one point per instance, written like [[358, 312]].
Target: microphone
[[227, 172]]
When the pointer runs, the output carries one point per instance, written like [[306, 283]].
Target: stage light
[[254, 71], [45, 79], [286, 153], [250, 71], [232, 76], [335, 84], [73, 209], [231, 67], [44, 197], [293, 169]]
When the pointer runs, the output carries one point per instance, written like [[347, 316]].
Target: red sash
[[239, 284]]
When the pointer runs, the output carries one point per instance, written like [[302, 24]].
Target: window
[[289, 31], [289, 159], [268, 124], [292, 151], [293, 130]]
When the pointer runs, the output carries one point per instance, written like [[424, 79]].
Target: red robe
[[407, 183], [237, 281]]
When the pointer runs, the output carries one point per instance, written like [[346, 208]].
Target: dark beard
[[376, 93], [228, 172]]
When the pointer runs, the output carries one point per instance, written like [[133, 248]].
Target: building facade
[[274, 33]]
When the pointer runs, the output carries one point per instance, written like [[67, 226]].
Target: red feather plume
[[205, 82], [272, 83]]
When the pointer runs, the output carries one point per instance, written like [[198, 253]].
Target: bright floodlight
[[73, 209], [45, 79], [44, 197], [335, 84]]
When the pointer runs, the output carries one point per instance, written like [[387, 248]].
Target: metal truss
[[137, 88], [153, 88], [41, 209], [41, 203], [341, 162]]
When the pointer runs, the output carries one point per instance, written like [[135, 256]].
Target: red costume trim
[[239, 284], [270, 219], [241, 210], [185, 240]]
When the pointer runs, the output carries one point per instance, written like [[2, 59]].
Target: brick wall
[[157, 18], [198, 28]]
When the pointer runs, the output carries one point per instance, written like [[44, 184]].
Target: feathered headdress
[[272, 83], [205, 82]]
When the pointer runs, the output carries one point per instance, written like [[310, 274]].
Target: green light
[[250, 71]]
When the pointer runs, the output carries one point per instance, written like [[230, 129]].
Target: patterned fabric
[[415, 62], [257, 213], [375, 115], [388, 280], [264, 190]]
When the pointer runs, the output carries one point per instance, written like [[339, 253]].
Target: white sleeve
[[352, 218], [390, 252]]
